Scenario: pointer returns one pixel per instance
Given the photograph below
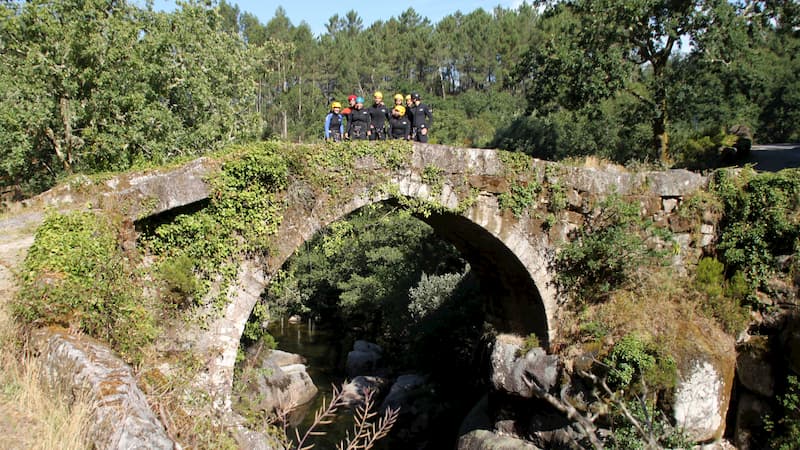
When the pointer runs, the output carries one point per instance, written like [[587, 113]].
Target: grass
[[662, 307], [32, 417]]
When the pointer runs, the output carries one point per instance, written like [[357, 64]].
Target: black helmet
[[415, 96]]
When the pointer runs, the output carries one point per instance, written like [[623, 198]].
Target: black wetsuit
[[359, 123], [421, 117], [399, 127], [379, 114]]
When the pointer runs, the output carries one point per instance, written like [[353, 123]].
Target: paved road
[[774, 157]]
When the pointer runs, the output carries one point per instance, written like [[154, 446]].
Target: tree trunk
[[661, 137], [63, 148]]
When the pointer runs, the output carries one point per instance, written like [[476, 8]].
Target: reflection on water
[[324, 351]]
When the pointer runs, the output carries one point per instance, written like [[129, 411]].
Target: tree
[[594, 49], [100, 85]]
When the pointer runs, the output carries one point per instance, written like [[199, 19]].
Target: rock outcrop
[[81, 366], [510, 369], [279, 381]]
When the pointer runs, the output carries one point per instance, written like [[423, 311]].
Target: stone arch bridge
[[510, 252]]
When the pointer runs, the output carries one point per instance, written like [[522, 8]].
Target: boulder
[[278, 385], [509, 369], [121, 417], [353, 392], [701, 401], [485, 439], [403, 391], [754, 368], [363, 360]]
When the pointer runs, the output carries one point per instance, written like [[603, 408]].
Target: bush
[[722, 297], [429, 294], [760, 220], [606, 252], [76, 275], [633, 361], [178, 275]]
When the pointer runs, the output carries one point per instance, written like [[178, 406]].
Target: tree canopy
[[100, 85]]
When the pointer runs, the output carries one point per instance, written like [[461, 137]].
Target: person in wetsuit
[[379, 114], [360, 120], [399, 124], [421, 119], [334, 123]]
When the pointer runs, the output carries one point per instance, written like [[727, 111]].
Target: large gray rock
[[509, 369], [277, 385], [363, 359], [488, 440], [701, 401], [80, 366], [753, 367], [403, 391]]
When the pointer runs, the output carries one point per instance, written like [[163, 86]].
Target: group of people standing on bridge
[[408, 119]]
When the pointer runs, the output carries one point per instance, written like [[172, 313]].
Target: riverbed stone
[[276, 385], [354, 391], [489, 440], [510, 369], [81, 366], [402, 391], [363, 359]]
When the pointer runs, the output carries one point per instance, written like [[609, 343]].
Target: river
[[324, 352]]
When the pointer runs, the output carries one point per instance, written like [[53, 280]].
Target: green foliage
[[101, 85], [722, 297], [432, 176], [178, 274], [760, 220], [243, 213], [531, 342], [703, 150], [627, 437], [606, 251], [75, 275], [785, 434], [633, 361], [430, 293], [520, 197]]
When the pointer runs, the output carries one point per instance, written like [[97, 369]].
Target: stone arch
[[501, 251]]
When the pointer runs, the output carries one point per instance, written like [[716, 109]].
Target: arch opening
[[508, 297]]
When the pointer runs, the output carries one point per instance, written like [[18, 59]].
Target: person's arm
[[328, 126], [341, 125]]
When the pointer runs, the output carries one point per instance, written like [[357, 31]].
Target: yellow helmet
[[398, 96], [401, 109], [378, 95], [336, 105]]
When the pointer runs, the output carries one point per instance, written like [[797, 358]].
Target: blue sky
[[317, 12]]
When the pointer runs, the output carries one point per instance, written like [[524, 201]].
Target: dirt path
[[15, 240], [16, 237]]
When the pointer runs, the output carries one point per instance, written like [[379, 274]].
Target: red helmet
[[351, 97]]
